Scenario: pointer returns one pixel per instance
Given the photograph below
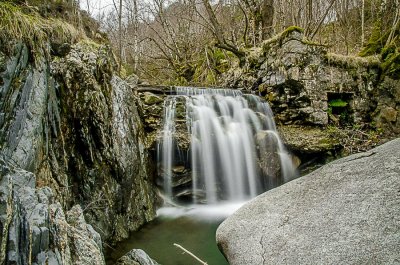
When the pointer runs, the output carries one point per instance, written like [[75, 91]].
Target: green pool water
[[157, 238]]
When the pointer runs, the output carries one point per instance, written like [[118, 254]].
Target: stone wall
[[302, 82]]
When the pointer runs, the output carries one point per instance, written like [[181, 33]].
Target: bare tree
[[219, 33]]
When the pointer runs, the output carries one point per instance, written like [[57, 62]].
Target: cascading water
[[230, 133], [166, 148]]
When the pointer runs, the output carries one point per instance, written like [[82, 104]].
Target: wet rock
[[23, 105], [269, 162], [102, 123], [344, 213], [190, 195], [179, 169], [136, 257], [183, 180]]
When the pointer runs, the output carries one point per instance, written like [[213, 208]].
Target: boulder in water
[[347, 212], [136, 257]]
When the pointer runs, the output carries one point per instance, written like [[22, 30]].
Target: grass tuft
[[28, 26]]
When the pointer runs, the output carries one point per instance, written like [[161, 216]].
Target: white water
[[166, 148], [222, 125]]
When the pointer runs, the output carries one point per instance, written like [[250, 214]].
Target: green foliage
[[375, 42], [391, 61], [338, 103], [26, 25], [345, 118], [389, 52], [339, 112], [209, 67]]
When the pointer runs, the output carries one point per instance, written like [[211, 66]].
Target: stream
[[193, 228]]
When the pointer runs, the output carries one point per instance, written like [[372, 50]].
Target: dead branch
[[190, 253]]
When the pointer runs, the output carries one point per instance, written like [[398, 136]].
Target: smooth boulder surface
[[347, 212], [136, 257]]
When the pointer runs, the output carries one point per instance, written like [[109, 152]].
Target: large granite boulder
[[347, 212]]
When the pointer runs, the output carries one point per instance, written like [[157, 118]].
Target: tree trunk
[[322, 19], [267, 16], [395, 26], [120, 36], [362, 22], [136, 35], [218, 32]]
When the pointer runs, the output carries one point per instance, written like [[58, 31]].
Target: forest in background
[[191, 42]]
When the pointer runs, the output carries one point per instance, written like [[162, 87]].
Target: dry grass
[[26, 25]]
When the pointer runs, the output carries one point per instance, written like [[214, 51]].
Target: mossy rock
[[303, 139], [151, 99]]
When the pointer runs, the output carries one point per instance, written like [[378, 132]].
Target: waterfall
[[166, 148], [232, 135]]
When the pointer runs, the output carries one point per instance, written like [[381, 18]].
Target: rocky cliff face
[[75, 127], [35, 228], [103, 141]]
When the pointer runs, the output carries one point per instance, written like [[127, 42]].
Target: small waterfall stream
[[231, 136], [220, 148]]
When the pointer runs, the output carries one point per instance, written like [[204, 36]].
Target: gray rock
[[299, 79], [92, 156], [82, 242], [269, 161], [136, 257], [35, 231], [347, 212]]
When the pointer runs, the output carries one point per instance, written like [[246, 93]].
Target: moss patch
[[391, 62], [352, 61], [280, 36], [388, 51]]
